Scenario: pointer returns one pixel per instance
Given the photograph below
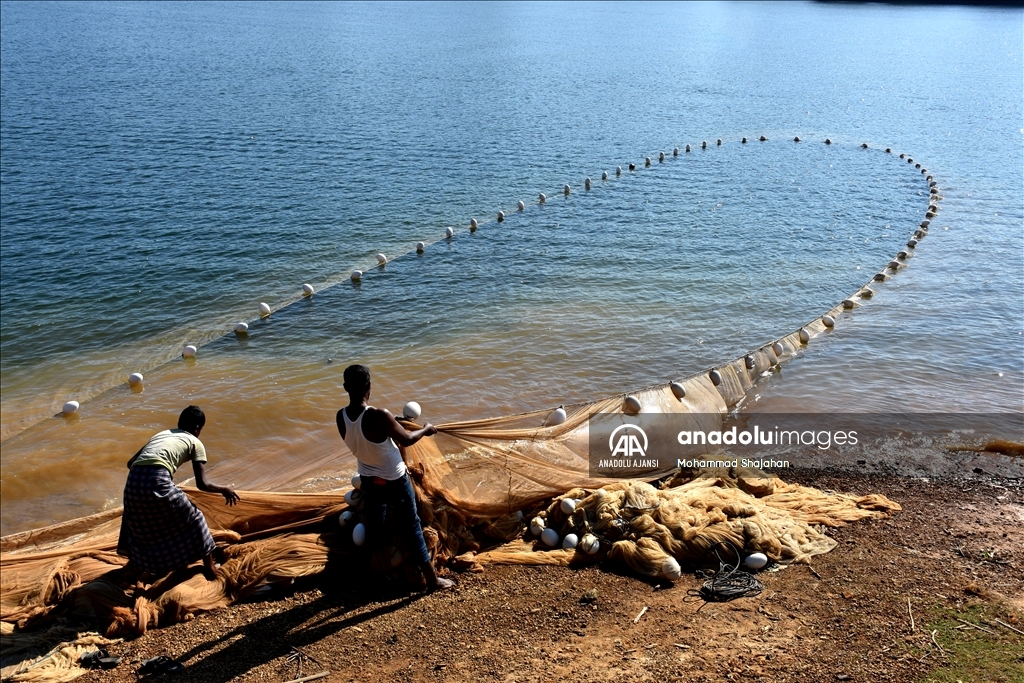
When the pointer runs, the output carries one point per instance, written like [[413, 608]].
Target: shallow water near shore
[[198, 160]]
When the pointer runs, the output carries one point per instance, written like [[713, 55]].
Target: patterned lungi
[[161, 529]]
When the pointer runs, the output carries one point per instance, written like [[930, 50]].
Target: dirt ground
[[955, 552]]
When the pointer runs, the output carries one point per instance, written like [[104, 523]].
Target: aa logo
[[628, 444]]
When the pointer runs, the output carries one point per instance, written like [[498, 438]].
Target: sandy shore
[[955, 553]]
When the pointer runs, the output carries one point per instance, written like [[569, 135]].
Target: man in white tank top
[[373, 435]]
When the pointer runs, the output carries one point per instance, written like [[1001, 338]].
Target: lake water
[[164, 168]]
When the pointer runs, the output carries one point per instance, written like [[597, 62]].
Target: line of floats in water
[[631, 404]]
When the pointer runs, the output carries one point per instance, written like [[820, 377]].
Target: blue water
[[166, 167]]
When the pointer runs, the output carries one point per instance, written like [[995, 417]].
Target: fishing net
[[481, 485], [478, 486]]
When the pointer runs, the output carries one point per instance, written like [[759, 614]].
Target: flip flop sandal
[[161, 664], [98, 659]]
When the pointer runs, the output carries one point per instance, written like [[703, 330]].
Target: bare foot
[[441, 585]]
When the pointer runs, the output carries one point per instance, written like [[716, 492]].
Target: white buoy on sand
[[354, 496], [521, 205], [264, 310], [805, 336], [716, 377], [568, 505], [543, 198], [307, 290], [357, 482], [357, 275], [590, 544], [359, 534], [631, 405], [501, 216], [189, 351], [537, 526], [570, 542], [241, 328], [828, 321], [550, 537], [135, 379], [678, 390], [412, 410], [382, 259], [778, 349], [449, 233], [556, 417], [70, 408], [755, 561], [670, 569]]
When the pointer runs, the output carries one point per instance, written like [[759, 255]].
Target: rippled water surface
[[166, 167]]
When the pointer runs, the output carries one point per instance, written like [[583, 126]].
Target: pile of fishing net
[[71, 571]]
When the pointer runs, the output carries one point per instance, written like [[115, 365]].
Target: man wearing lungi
[[161, 529], [373, 435]]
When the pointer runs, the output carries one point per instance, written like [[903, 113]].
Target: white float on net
[[556, 417], [189, 351], [537, 526], [566, 189], [359, 534], [70, 408], [805, 336], [357, 275], [550, 537], [755, 561], [501, 216], [618, 170], [590, 544], [543, 198], [567, 505], [828, 321], [420, 246], [570, 541], [631, 405], [241, 328], [135, 379], [411, 410], [382, 259], [449, 233], [586, 183], [357, 482], [307, 290], [678, 390], [264, 310], [521, 205], [472, 225]]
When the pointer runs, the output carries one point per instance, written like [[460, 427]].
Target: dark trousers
[[391, 506]]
